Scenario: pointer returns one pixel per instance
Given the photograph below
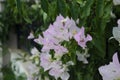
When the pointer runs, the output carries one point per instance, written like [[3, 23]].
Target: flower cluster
[[62, 30]]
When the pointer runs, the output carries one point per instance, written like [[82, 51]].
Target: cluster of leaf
[[20, 17]]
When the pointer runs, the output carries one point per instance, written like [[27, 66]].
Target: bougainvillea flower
[[59, 70], [81, 39], [39, 40], [72, 27], [34, 51], [35, 55], [31, 36], [45, 61], [47, 43], [56, 68], [116, 32], [60, 51], [112, 70], [83, 56], [59, 31], [49, 36]]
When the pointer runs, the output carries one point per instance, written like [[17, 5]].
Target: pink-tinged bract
[[81, 38], [112, 70], [45, 61]]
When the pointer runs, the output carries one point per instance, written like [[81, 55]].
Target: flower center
[[74, 32], [63, 21]]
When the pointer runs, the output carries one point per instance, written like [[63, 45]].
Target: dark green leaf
[[86, 9], [61, 7], [44, 5], [100, 8]]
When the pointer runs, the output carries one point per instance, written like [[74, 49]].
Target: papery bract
[[81, 39], [31, 36], [46, 42], [39, 40], [56, 72], [49, 36], [59, 31], [35, 55], [34, 51], [59, 70], [45, 61], [48, 45], [112, 70], [72, 27], [116, 32], [83, 56], [60, 51], [56, 69]]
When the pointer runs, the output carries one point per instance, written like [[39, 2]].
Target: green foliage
[[44, 5], [87, 9], [8, 74], [94, 15]]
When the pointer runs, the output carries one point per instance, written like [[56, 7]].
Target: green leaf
[[8, 74], [61, 7], [103, 15], [74, 10], [18, 4], [100, 8], [107, 11], [27, 20], [44, 17], [44, 5], [79, 1], [52, 10], [86, 9], [100, 46]]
